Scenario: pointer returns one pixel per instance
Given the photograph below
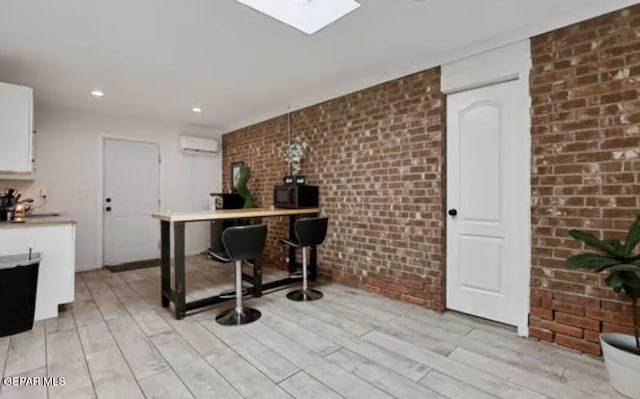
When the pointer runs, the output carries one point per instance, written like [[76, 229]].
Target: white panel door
[[482, 259], [131, 195]]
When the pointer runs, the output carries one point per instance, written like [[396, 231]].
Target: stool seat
[[241, 243], [309, 232]]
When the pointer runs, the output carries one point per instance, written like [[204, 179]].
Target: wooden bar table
[[177, 294]]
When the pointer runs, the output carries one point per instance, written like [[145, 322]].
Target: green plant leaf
[[616, 244], [245, 175], [633, 281], [590, 262], [596, 243], [624, 268], [633, 238], [615, 281], [632, 285]]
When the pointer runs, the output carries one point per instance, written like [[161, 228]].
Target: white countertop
[[38, 221]]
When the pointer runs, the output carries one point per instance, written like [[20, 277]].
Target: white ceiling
[[156, 59]]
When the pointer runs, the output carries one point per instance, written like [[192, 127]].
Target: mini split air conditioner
[[198, 145]]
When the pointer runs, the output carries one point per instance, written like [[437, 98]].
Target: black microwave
[[295, 196]]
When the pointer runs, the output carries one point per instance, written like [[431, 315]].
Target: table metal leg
[[180, 284], [313, 261], [257, 268], [165, 267]]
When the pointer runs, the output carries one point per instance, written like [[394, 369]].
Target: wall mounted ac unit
[[198, 145]]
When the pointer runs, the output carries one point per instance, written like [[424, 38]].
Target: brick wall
[[586, 170], [377, 156]]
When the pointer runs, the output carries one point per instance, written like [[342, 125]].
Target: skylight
[[308, 16]]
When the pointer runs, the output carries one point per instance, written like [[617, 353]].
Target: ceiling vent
[[198, 145]]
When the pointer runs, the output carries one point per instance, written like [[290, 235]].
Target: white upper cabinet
[[16, 130]]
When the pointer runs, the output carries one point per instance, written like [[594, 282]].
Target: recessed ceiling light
[[308, 16], [97, 93], [197, 110]]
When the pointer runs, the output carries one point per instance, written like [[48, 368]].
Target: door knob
[[108, 209], [453, 212]]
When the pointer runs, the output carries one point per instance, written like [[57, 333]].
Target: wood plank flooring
[[116, 341]]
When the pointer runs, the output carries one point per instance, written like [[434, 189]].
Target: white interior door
[[131, 195], [482, 256]]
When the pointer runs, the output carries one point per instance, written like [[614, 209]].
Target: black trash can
[[18, 285]]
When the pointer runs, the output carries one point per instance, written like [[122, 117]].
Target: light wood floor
[[115, 341]]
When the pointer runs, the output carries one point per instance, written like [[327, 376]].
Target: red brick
[[535, 302], [579, 344], [616, 328], [542, 313], [581, 322], [576, 310], [413, 299], [592, 336], [611, 317], [617, 307], [572, 298], [541, 333], [562, 328]]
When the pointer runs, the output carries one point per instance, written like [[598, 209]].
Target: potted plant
[[621, 351], [245, 175], [294, 152]]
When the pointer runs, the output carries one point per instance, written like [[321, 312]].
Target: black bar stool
[[241, 243], [310, 232]]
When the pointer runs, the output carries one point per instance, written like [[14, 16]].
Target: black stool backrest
[[311, 231], [244, 242]]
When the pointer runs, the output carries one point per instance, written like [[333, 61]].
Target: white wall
[[69, 164]]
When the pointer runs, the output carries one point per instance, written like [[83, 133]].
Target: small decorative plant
[[294, 152], [245, 175], [622, 263]]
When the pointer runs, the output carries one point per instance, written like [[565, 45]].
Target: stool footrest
[[222, 257], [231, 293], [290, 243]]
